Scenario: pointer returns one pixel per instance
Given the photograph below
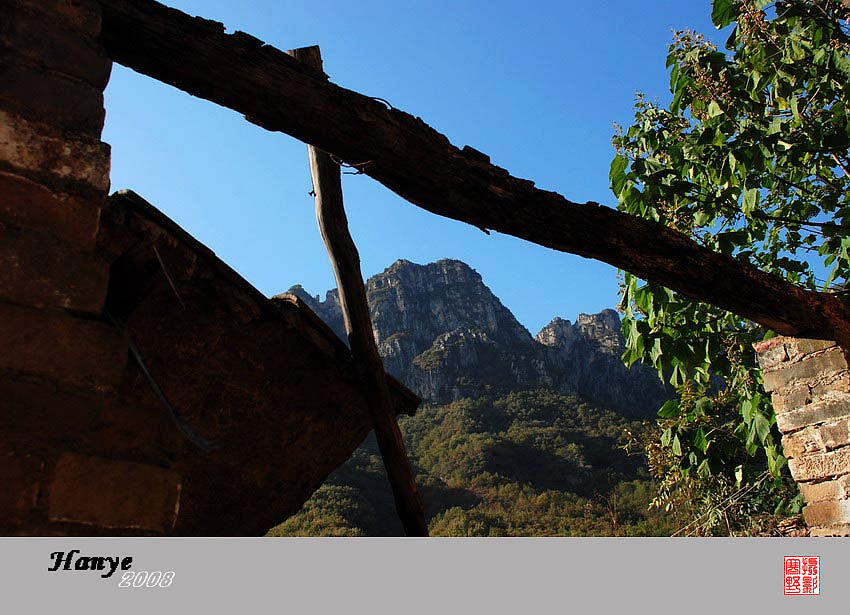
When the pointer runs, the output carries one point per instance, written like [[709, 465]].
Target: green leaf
[[678, 375], [761, 426], [775, 461], [750, 200], [677, 446], [703, 406], [702, 218], [617, 174], [842, 62], [746, 411], [714, 110], [669, 409], [700, 441], [723, 12], [655, 351]]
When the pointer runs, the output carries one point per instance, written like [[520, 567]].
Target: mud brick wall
[[809, 381], [59, 359]]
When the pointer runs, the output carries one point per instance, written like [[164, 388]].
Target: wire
[[731, 500]]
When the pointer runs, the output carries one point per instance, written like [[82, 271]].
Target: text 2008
[[143, 578]]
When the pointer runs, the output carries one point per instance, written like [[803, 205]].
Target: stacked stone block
[[809, 381], [60, 361]]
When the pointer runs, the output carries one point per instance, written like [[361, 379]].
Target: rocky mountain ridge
[[442, 332]]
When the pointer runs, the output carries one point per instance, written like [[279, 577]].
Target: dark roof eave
[[132, 202]]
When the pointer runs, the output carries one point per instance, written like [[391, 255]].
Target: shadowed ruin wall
[[810, 385], [265, 380], [59, 363], [86, 447]]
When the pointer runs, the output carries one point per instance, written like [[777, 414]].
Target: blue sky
[[536, 85]]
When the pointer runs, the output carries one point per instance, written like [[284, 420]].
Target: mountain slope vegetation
[[529, 463]]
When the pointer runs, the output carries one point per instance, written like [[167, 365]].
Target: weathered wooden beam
[[418, 163], [345, 260]]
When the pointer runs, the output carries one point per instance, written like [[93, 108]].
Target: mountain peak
[[447, 270], [557, 334], [443, 333], [607, 318]]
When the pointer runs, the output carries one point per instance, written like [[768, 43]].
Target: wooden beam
[[274, 91], [333, 224]]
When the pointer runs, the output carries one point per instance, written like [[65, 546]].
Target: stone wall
[[60, 363], [810, 385]]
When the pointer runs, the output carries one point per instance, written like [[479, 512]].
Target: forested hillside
[[533, 463]]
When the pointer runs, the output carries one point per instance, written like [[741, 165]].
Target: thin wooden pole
[[333, 224]]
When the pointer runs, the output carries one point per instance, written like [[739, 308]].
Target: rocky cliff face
[[585, 358], [444, 334]]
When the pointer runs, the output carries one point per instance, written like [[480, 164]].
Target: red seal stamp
[[802, 575]]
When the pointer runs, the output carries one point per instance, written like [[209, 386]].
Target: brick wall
[[809, 381], [60, 362]]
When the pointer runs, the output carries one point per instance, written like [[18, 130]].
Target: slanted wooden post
[[333, 224]]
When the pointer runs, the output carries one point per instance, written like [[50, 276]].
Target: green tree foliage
[[331, 512], [749, 159], [533, 463]]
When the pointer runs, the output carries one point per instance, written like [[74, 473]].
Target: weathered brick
[[771, 353], [113, 494], [817, 466], [36, 148], [835, 434], [813, 368], [797, 347], [775, 380], [55, 48], [838, 489], [42, 272], [148, 430], [765, 345], [828, 387], [44, 409], [20, 477], [820, 438], [804, 441], [792, 399], [60, 101], [52, 343], [81, 15], [827, 513], [817, 412], [811, 396], [29, 205], [835, 530], [40, 415]]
